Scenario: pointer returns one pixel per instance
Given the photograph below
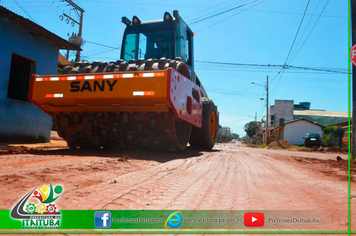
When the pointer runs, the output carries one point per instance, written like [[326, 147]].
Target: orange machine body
[[144, 91]]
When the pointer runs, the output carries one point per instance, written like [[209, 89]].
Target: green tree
[[330, 128], [326, 142], [250, 128], [235, 136]]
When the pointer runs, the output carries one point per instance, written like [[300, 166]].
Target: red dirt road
[[231, 177]]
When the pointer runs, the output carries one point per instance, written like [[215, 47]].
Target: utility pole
[[256, 125], [267, 113], [77, 40], [353, 31]]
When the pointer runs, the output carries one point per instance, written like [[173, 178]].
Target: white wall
[[294, 132]]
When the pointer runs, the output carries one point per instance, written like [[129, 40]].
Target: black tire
[[72, 145], [202, 138]]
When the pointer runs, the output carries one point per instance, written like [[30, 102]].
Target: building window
[[20, 75], [273, 117]]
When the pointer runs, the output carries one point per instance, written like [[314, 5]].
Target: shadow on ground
[[131, 154]]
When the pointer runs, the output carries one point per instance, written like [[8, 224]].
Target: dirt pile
[[328, 166], [336, 149], [341, 150], [280, 144], [14, 150]]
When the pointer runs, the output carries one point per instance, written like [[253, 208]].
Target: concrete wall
[[294, 132], [282, 109], [22, 121]]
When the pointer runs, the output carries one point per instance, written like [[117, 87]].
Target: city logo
[[102, 219], [174, 220], [39, 212]]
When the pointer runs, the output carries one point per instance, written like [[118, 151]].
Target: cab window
[[154, 45], [184, 43], [130, 46]]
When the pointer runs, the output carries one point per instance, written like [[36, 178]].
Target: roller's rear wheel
[[139, 130], [180, 134], [205, 137]]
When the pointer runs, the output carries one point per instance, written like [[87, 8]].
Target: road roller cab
[[168, 38]]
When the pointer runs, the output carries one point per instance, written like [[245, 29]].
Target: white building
[[226, 131], [295, 130]]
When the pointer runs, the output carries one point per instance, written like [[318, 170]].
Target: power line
[[222, 12], [232, 67], [215, 7], [296, 35], [306, 39], [310, 20], [218, 8], [317, 69], [234, 91], [192, 6], [259, 70], [103, 45], [231, 16], [18, 4], [150, 4], [238, 64], [273, 66], [97, 53], [291, 48], [296, 13], [278, 81], [228, 93]]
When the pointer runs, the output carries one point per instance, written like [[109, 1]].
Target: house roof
[[342, 124], [320, 113], [303, 119], [62, 61], [35, 29]]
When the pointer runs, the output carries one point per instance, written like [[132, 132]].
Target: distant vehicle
[[345, 139], [312, 139]]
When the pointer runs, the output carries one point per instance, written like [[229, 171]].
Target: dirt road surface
[[231, 177]]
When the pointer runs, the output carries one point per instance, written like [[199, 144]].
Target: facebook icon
[[102, 219]]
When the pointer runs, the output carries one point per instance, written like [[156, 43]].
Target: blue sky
[[259, 33]]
